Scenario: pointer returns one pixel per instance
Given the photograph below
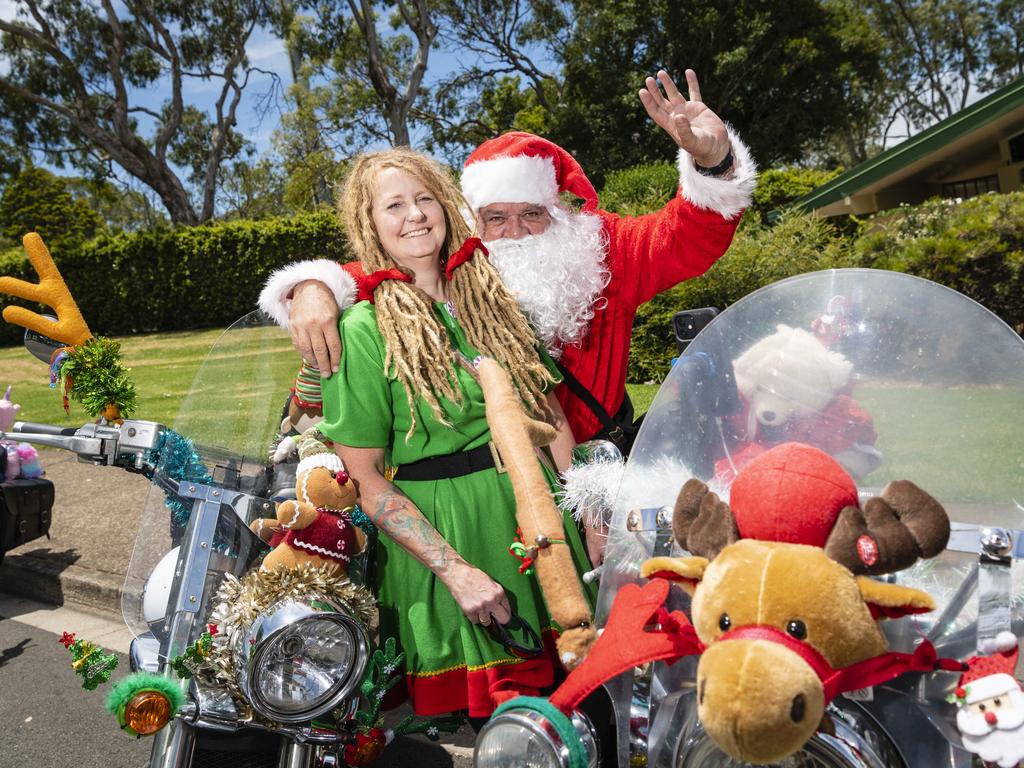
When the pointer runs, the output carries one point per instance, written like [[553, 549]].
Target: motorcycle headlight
[[527, 737], [298, 660]]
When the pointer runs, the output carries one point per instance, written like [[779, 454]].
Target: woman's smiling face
[[408, 218]]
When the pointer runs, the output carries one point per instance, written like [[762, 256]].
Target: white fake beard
[[557, 277]]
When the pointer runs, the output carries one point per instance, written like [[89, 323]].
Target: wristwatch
[[717, 170]]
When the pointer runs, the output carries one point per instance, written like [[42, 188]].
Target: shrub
[[638, 190], [38, 201], [185, 277], [778, 186], [975, 246], [759, 255]]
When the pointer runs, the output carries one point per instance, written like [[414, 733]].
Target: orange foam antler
[[70, 327]]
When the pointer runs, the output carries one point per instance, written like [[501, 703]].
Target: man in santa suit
[[579, 277]]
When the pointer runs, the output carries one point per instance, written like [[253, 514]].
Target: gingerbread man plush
[[317, 527]]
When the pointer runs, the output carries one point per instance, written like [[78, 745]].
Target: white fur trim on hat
[[729, 196], [521, 179], [990, 686], [328, 460], [275, 298]]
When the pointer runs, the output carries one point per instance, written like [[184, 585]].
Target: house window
[[1017, 148], [971, 187]]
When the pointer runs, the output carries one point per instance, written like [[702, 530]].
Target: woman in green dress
[[406, 396]]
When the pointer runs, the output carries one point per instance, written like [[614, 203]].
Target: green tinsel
[[124, 689], [98, 378]]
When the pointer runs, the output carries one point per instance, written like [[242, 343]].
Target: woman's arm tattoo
[[398, 517]]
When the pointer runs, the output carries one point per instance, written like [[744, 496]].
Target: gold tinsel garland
[[239, 602]]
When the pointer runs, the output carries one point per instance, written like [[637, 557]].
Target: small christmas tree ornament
[[89, 367], [990, 705], [89, 660], [191, 661]]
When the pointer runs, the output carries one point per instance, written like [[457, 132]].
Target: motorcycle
[[290, 698], [932, 393]]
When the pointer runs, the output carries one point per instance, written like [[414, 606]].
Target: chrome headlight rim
[[262, 636], [572, 740]]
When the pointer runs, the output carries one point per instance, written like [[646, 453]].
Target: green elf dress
[[450, 663]]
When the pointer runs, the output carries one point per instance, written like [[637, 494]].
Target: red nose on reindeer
[[793, 494], [341, 476]]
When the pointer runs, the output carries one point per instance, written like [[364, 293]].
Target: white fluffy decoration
[[589, 490], [558, 277], [275, 298], [520, 179], [728, 196], [651, 485]]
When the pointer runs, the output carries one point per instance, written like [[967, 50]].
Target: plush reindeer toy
[[784, 612]]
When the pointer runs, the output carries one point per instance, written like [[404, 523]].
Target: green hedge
[[758, 256], [180, 278], [975, 247]]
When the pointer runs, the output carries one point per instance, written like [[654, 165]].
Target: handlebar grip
[[42, 429]]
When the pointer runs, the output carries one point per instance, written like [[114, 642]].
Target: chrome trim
[[540, 725], [144, 654], [252, 645]]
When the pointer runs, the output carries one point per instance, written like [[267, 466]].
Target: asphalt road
[[48, 721]]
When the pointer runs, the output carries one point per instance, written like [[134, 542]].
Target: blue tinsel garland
[[181, 462]]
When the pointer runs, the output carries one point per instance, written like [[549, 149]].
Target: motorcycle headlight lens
[[302, 661], [524, 738]]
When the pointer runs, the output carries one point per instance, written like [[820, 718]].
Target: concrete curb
[[57, 583]]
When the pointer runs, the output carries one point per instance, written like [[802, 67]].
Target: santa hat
[[990, 676], [791, 493], [518, 167], [313, 452]]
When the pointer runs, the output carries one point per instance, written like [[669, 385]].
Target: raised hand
[[689, 122]]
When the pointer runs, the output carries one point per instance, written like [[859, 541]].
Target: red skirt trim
[[480, 690]]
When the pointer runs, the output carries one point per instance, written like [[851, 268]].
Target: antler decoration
[[90, 367], [890, 532], [51, 290], [515, 434]]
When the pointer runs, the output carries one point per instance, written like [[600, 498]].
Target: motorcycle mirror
[[40, 346]]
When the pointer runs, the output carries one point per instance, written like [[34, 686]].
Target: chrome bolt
[[664, 518], [634, 520], [191, 489], [192, 598], [203, 545], [216, 493], [996, 542]]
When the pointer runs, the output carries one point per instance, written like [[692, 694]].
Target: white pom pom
[[568, 658], [1006, 641]]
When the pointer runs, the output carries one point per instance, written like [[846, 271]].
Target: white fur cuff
[[275, 298], [727, 197]]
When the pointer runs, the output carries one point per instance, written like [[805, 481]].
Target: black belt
[[451, 465]]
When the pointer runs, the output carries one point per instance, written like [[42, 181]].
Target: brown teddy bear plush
[[317, 528], [784, 619]]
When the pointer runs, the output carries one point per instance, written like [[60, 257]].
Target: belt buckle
[[498, 463]]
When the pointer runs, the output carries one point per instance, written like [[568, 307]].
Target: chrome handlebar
[[126, 445]]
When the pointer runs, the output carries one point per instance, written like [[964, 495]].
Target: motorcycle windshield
[[220, 440], [894, 376]]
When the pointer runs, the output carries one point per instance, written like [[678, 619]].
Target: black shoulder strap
[[588, 399]]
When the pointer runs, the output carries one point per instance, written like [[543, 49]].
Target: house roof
[[909, 156]]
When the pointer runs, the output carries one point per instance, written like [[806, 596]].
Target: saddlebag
[[25, 511]]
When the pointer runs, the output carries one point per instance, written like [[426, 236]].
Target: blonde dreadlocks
[[418, 349]]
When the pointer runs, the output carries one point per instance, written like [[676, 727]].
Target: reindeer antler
[[891, 532], [702, 524], [51, 290], [515, 434]]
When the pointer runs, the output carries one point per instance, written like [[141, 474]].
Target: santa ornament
[[990, 705]]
